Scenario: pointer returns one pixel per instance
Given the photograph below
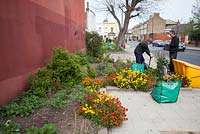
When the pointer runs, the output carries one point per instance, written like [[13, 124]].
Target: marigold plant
[[103, 109], [185, 81], [91, 84], [132, 79]]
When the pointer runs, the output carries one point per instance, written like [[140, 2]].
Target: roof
[[170, 22]]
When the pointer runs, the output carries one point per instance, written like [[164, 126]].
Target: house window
[[106, 29], [99, 29], [111, 29]]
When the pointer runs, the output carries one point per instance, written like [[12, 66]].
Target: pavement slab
[[145, 116]]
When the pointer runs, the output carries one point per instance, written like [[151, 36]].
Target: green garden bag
[[137, 67], [166, 92]]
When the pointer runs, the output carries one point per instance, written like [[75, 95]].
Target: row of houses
[[155, 28]]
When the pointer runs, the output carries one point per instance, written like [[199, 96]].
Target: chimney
[[87, 8], [156, 14]]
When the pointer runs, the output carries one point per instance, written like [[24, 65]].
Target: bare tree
[[130, 9]]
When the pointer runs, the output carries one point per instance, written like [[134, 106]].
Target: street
[[189, 56]]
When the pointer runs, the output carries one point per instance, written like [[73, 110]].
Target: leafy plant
[[9, 127], [22, 106], [103, 109], [46, 129], [155, 73], [59, 100], [109, 69], [91, 71], [162, 61], [78, 93], [100, 68], [94, 44], [119, 65]]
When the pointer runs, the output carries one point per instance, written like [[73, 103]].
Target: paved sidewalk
[[145, 116], [193, 48]]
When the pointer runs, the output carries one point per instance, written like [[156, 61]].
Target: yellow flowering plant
[[132, 79]]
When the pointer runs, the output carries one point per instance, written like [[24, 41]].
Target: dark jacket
[[141, 48], [173, 47]]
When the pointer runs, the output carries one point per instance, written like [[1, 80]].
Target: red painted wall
[[29, 30]]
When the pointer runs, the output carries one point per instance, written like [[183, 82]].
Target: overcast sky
[[168, 9]]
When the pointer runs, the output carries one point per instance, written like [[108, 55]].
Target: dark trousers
[[140, 59], [172, 55]]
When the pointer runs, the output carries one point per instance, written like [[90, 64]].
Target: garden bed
[[67, 119]]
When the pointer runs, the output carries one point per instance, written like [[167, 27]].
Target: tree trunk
[[120, 39], [122, 32]]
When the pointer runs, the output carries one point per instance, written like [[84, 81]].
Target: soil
[[67, 120]]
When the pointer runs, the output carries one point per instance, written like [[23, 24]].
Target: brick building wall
[[30, 29], [155, 24]]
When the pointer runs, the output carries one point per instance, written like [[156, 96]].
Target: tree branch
[[112, 11], [132, 16]]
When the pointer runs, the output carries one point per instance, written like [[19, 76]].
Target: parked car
[[181, 47], [158, 43]]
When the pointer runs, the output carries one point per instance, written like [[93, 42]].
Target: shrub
[[46, 129], [41, 82], [103, 109], [65, 68], [83, 58], [132, 79], [94, 44]]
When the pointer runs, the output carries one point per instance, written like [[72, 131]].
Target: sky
[[169, 9]]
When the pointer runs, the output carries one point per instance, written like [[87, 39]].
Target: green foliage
[[65, 68], [46, 129], [119, 65], [78, 93], [161, 61], [83, 59], [155, 73], [130, 61], [91, 71], [9, 127], [22, 106], [59, 100], [94, 44], [109, 69], [40, 83], [108, 59]]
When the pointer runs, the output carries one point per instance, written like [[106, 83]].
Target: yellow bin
[[189, 70]]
